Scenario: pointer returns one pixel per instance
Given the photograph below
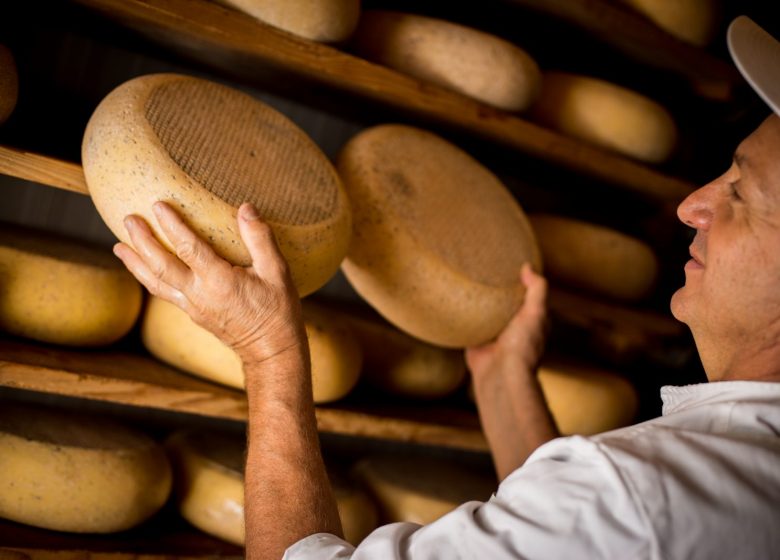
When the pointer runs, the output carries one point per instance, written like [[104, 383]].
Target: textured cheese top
[[206, 148], [438, 240]]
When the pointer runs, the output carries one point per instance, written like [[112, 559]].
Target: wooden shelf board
[[131, 379], [242, 46], [42, 169]]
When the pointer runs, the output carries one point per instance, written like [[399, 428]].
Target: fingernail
[[248, 212], [157, 208], [128, 221]]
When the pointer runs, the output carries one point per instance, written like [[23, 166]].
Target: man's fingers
[[138, 268], [191, 249], [536, 290], [258, 237], [157, 259]]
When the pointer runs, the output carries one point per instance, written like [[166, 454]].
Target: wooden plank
[[42, 169], [240, 45], [639, 38], [130, 379]]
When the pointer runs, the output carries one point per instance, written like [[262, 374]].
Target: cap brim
[[757, 56]]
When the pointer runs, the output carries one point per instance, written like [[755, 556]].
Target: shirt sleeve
[[568, 501]]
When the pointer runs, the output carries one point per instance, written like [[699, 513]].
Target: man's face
[[731, 297]]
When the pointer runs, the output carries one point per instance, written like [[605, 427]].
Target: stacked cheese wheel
[[206, 148], [170, 334], [420, 489], [438, 240], [694, 21], [328, 21], [62, 291], [606, 115], [70, 472], [595, 258], [9, 84], [209, 470], [459, 58]]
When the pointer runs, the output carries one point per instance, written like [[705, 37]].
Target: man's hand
[[255, 310], [511, 405]]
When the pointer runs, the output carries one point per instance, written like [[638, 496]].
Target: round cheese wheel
[[453, 56], [595, 258], [694, 21], [170, 335], [205, 149], [71, 472], [327, 21], [401, 365], [9, 84], [587, 400], [357, 511], [62, 291], [438, 240], [209, 481], [606, 115], [420, 489]]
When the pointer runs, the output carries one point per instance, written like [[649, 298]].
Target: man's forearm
[[288, 495]]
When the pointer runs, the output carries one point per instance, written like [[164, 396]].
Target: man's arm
[[256, 311], [511, 405]]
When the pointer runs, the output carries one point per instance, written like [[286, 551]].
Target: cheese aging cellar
[[408, 160]]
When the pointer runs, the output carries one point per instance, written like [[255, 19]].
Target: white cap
[[757, 56]]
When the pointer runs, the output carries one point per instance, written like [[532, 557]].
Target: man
[[702, 481]]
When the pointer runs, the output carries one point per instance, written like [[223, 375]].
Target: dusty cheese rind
[[209, 482], [9, 84], [327, 21], [206, 148], [170, 335], [420, 489], [438, 240], [587, 400], [694, 21], [454, 56], [69, 472], [595, 258], [402, 365], [607, 115], [62, 291]]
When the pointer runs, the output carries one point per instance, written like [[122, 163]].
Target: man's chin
[[678, 305]]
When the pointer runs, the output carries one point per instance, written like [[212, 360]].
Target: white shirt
[[701, 481]]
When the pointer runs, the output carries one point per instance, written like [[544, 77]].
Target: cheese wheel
[[694, 21], [209, 482], [71, 472], [206, 148], [438, 240], [420, 489], [9, 84], [453, 56], [327, 21], [595, 258], [401, 365], [587, 400], [62, 291], [170, 335], [358, 512], [606, 115]]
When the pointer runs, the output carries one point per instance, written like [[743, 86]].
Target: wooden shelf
[[42, 169], [639, 38], [243, 47], [132, 379]]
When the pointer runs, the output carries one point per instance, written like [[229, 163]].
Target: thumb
[[258, 237]]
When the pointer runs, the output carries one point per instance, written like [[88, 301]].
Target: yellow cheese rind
[[170, 335], [205, 148], [401, 365], [595, 258], [694, 21], [9, 84], [420, 489], [68, 472], [587, 400], [358, 512], [453, 56], [328, 21], [606, 115], [438, 240], [209, 480], [62, 291]]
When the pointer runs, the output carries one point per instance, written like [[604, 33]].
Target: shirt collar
[[679, 398]]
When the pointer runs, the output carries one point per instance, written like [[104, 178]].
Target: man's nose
[[697, 209]]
